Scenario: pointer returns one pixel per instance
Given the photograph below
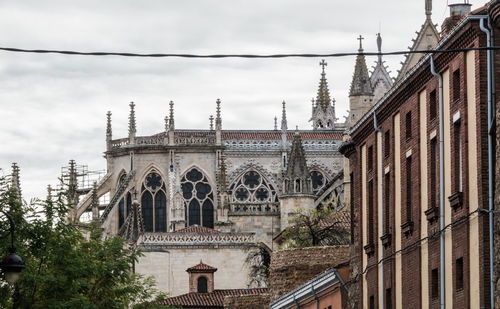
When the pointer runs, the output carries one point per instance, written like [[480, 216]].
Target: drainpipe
[[315, 296], [441, 184], [490, 156], [381, 209]]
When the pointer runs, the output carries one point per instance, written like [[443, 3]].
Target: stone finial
[[275, 123], [72, 184], [360, 38], [428, 9], [171, 118], [131, 120], [379, 47], [15, 181], [323, 64], [284, 125], [218, 118], [211, 120], [166, 123], [49, 193], [109, 131]]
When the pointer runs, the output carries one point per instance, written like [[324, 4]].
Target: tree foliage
[[67, 266], [258, 261], [323, 226]]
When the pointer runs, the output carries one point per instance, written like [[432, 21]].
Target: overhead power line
[[182, 55]]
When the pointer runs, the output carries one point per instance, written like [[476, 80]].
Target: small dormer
[[201, 278]]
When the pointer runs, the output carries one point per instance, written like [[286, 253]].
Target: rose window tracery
[[250, 188], [318, 180], [198, 197], [154, 203]]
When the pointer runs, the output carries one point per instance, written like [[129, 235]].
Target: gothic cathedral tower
[[323, 110]]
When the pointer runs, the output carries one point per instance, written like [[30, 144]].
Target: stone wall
[[247, 301], [292, 267]]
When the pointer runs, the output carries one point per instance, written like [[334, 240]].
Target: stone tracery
[[154, 203], [198, 198]]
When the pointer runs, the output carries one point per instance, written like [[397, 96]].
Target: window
[[408, 125], [252, 188], [457, 154], [297, 185], [387, 201], [370, 158], [372, 302], [318, 180], [434, 174], [433, 105], [408, 190], [202, 285], [388, 298], [456, 85], [435, 283], [387, 143], [121, 212], [154, 203], [459, 273], [198, 198], [370, 212]]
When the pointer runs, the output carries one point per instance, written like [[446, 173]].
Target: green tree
[[323, 226], [68, 266]]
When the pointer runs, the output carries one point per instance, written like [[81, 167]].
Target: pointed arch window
[[252, 187], [318, 180], [154, 203], [202, 285], [199, 198]]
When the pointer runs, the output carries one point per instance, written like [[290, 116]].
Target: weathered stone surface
[[292, 267], [247, 301]]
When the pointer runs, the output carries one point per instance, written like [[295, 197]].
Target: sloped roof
[[201, 267], [209, 300]]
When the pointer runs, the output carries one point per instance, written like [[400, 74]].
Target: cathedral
[[214, 195]]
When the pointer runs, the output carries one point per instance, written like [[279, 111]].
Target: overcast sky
[[53, 106]]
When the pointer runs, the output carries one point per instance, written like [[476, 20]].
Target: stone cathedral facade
[[185, 195]]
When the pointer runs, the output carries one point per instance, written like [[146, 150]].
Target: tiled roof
[[201, 267], [209, 300], [196, 229]]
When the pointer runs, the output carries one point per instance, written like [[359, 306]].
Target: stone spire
[[109, 133], [275, 123], [218, 118], [360, 81], [284, 125], [380, 79], [132, 130], [166, 123], [297, 178], [95, 203], [211, 120], [323, 110], [15, 181], [171, 118]]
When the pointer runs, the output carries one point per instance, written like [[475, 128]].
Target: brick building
[[419, 176]]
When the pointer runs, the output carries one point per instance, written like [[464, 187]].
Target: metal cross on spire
[[323, 64], [361, 38]]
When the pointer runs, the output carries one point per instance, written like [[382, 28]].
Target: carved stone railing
[[150, 140], [328, 145], [119, 143], [254, 209], [197, 238], [194, 140]]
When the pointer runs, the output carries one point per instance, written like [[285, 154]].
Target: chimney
[[457, 12]]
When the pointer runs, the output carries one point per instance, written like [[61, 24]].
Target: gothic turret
[[361, 92], [109, 133], [297, 185], [171, 125], [218, 124], [380, 79], [323, 112]]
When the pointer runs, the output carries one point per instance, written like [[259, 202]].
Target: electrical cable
[[182, 55]]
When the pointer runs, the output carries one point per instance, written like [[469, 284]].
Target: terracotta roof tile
[[196, 229], [201, 267], [209, 300]]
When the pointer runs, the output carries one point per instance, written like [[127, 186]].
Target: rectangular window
[[388, 298], [434, 174], [372, 302], [456, 85], [370, 212], [408, 190], [457, 154], [459, 273], [387, 201], [433, 105], [387, 143], [370, 158], [435, 283], [408, 125]]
